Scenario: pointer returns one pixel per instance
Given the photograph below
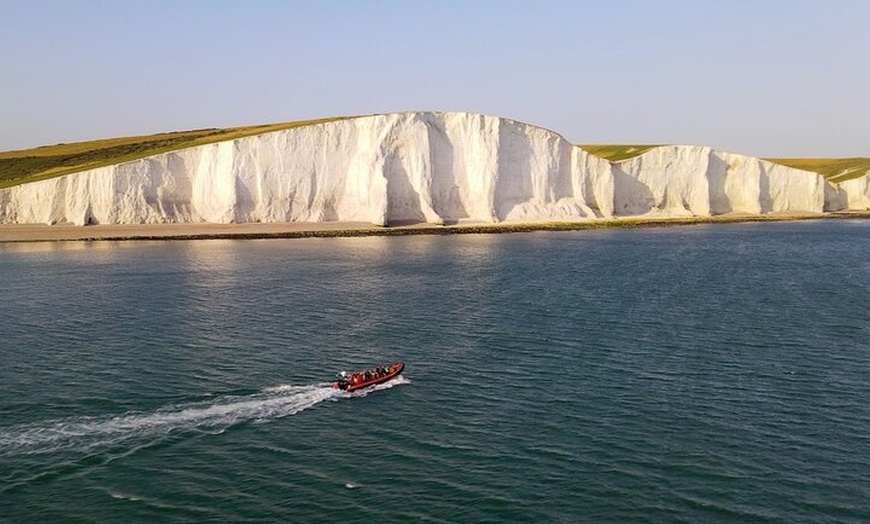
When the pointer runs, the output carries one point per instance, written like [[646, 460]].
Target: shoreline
[[19, 233]]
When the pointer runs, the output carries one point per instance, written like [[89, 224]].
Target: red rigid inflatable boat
[[355, 380]]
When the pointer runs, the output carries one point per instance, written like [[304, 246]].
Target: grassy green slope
[[833, 169], [616, 153], [30, 165]]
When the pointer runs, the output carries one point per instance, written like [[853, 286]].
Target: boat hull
[[351, 385]]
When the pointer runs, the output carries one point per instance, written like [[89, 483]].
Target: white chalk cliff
[[424, 167]]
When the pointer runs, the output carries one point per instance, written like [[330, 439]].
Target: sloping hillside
[[30, 165], [431, 167], [833, 169]]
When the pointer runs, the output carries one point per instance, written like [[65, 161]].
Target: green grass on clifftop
[[616, 153], [30, 165], [833, 169]]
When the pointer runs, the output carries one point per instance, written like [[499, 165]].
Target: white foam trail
[[398, 381], [85, 433], [289, 388]]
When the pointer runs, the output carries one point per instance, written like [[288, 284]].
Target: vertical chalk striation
[[421, 167]]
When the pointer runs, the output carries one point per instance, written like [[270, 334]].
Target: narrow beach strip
[[252, 231]]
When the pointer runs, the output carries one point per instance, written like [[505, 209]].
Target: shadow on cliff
[[631, 196], [717, 172], [765, 200], [403, 201], [243, 210], [446, 200], [835, 198], [513, 184]]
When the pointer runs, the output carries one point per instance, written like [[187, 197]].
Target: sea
[[712, 373]]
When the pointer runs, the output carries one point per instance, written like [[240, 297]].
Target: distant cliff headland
[[426, 167]]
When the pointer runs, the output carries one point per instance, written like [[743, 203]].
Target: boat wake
[[84, 434]]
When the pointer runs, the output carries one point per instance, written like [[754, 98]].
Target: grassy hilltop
[[30, 165], [833, 169], [616, 153]]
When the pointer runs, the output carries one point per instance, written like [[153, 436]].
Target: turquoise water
[[693, 374]]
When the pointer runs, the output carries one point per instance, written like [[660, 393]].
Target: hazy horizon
[[772, 79]]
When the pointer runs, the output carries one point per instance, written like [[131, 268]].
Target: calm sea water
[[693, 374]]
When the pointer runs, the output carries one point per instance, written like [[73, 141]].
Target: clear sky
[[760, 77]]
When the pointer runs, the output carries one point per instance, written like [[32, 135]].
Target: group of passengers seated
[[359, 377]]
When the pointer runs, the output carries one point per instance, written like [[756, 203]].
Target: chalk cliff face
[[420, 167], [851, 194], [699, 181]]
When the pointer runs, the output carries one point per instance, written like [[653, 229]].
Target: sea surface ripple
[[691, 374]]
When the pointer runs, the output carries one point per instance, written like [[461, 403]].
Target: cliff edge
[[421, 167]]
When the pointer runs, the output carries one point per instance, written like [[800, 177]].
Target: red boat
[[354, 380]]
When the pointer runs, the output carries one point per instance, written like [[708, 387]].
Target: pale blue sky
[[760, 77]]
